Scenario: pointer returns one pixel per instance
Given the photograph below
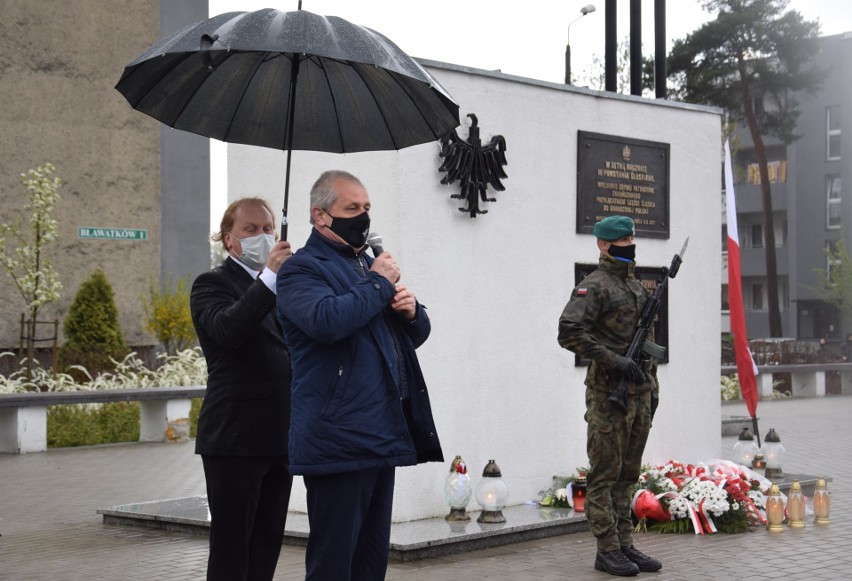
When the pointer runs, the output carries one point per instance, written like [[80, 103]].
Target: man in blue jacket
[[359, 402]]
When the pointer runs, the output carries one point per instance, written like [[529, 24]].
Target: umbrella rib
[[243, 94], [163, 75], [321, 65], [195, 92], [416, 104], [382, 113]]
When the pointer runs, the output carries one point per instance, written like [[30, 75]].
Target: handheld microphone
[[374, 240]]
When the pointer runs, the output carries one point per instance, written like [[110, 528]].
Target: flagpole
[[756, 432], [746, 369]]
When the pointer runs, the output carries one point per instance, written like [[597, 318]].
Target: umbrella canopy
[[289, 80]]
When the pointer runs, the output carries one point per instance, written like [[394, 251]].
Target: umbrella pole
[[284, 222], [291, 106]]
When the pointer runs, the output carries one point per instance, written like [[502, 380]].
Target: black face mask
[[623, 252], [353, 230]]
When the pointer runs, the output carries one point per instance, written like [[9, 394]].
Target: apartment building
[[811, 181]]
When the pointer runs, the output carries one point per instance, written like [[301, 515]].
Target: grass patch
[[90, 424], [107, 423], [193, 415]]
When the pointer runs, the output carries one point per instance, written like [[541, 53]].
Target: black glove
[[655, 401], [630, 370]]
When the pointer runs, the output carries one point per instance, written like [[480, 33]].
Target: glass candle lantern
[[745, 449], [774, 510], [457, 490], [492, 493], [759, 461], [773, 450], [578, 493], [796, 506], [822, 503]]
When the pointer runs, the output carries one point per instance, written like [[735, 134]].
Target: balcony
[[749, 198]]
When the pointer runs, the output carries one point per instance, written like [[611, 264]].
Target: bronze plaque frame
[[628, 177]]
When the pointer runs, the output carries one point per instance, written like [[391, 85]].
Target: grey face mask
[[256, 250]]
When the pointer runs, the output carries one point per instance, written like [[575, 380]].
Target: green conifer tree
[[93, 335]]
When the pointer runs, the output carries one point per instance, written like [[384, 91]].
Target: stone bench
[[807, 379], [23, 415]]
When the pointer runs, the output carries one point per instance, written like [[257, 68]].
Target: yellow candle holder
[[796, 506], [822, 503], [775, 510]]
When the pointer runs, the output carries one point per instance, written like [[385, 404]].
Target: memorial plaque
[[629, 177], [649, 276]]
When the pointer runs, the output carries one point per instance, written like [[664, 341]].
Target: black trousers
[[248, 498], [350, 520]]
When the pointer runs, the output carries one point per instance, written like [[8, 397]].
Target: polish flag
[[746, 369]]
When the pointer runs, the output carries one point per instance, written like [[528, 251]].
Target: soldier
[[598, 324]]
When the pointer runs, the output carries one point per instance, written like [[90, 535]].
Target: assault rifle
[[640, 343]]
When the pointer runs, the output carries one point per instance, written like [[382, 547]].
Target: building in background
[[812, 207], [135, 199]]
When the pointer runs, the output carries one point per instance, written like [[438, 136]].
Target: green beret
[[614, 227]]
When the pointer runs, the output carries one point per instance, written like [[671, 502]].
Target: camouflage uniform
[[598, 323]]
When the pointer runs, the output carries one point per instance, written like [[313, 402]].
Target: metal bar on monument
[[610, 47], [636, 47], [660, 48]]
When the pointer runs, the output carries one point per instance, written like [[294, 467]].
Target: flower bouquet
[[556, 497], [561, 493], [705, 498]]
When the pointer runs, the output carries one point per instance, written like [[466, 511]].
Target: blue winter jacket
[[346, 412]]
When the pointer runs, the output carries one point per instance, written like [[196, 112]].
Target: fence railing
[[806, 379]]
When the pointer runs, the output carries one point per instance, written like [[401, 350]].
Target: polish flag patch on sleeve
[[581, 292]]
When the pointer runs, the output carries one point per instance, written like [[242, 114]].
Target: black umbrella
[[289, 80]]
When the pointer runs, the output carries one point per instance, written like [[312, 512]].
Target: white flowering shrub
[[23, 249], [185, 368], [730, 387]]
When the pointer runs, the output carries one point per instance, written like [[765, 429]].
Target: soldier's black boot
[[615, 563], [643, 561]]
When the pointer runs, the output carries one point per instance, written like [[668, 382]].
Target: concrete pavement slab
[[50, 528]]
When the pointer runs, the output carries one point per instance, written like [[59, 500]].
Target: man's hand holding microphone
[[403, 301]]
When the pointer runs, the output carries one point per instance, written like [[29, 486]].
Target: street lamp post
[[583, 11]]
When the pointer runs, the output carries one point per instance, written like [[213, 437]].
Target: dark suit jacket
[[246, 410]]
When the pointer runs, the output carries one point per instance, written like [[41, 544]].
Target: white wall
[[495, 286]]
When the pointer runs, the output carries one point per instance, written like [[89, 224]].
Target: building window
[[758, 303], [777, 172], [726, 305], [783, 295], [756, 235], [832, 263], [832, 197], [832, 121]]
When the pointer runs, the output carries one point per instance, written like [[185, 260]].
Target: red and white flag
[[746, 369]]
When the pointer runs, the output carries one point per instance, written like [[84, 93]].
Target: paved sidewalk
[[50, 530]]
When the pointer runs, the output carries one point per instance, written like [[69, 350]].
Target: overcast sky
[[519, 37], [525, 38]]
